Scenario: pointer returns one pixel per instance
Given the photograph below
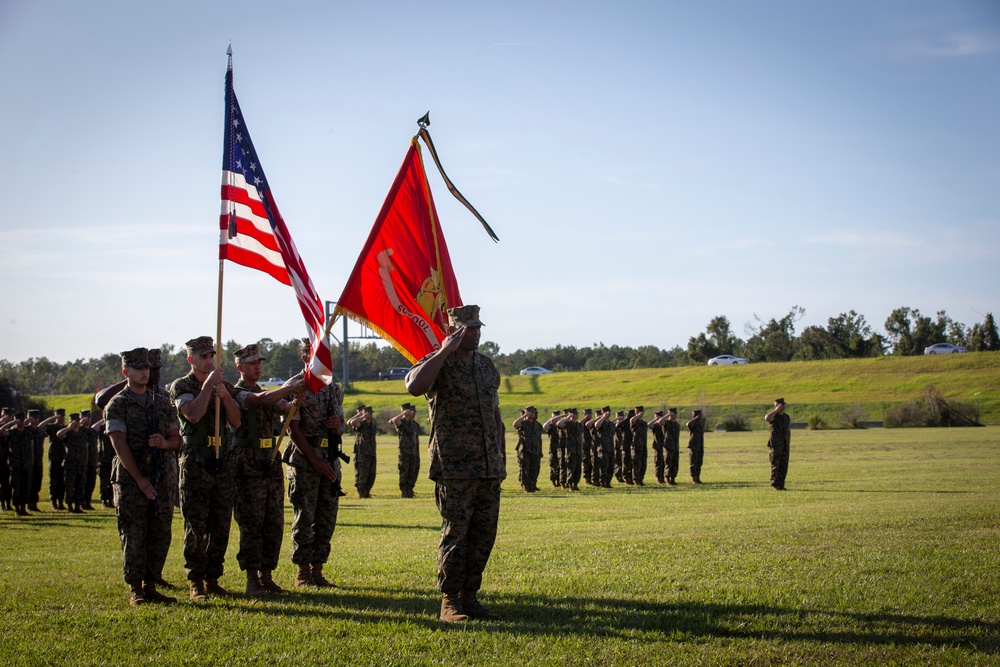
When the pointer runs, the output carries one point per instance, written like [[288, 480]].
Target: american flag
[[253, 234]]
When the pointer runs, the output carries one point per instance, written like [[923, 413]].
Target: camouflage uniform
[[315, 499], [671, 449], [409, 455], [555, 449], [696, 448], [77, 445], [20, 458], [207, 484], [529, 453], [259, 507], [57, 476], [364, 457], [106, 457], [37, 465], [607, 431], [143, 524], [93, 465], [623, 451], [778, 444], [587, 453], [5, 491], [658, 467], [572, 442], [640, 455], [467, 468]]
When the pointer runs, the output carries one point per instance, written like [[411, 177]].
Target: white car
[[535, 370], [943, 348], [271, 383], [726, 360]]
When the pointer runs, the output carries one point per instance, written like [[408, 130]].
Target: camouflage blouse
[[465, 443]]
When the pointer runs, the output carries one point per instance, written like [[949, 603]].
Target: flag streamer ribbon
[[426, 136]]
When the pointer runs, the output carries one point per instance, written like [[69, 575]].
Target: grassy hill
[[810, 387]]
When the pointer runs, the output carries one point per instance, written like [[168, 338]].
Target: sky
[[647, 165]]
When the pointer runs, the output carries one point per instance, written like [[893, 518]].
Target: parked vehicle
[[271, 383], [726, 360], [535, 370], [943, 348], [393, 374]]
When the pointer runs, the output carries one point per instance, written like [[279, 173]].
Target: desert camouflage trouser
[[259, 511], [697, 456], [529, 466], [639, 461], [315, 501], [207, 508], [779, 465], [145, 539], [470, 511], [409, 466], [364, 473]]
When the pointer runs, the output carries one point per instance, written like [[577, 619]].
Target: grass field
[[883, 552]]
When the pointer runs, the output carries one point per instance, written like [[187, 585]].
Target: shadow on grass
[[611, 618]]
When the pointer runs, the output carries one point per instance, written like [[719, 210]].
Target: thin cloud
[[953, 45]]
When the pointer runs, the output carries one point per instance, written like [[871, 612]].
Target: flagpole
[[218, 318], [434, 223]]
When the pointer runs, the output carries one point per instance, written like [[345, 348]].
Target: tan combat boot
[[318, 578], [197, 592], [135, 596], [152, 595], [475, 610], [451, 609], [303, 576], [268, 583], [254, 588], [212, 587]]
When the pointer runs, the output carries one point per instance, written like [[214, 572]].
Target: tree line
[[907, 332]]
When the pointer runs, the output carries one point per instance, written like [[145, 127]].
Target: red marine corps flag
[[252, 233], [403, 282]]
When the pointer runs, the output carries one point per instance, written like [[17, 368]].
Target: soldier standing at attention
[[587, 455], [671, 446], [466, 459], [781, 437], [259, 507], [314, 476], [6, 418], [207, 483], [656, 427], [572, 442], [141, 425], [93, 462], [20, 457], [696, 444], [408, 430], [57, 452], [529, 448], [76, 445], [365, 430], [640, 455], [37, 430], [551, 428]]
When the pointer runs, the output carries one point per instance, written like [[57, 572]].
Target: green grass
[[884, 552]]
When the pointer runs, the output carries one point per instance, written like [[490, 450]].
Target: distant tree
[[773, 340], [717, 339], [984, 337], [846, 336], [909, 332]]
